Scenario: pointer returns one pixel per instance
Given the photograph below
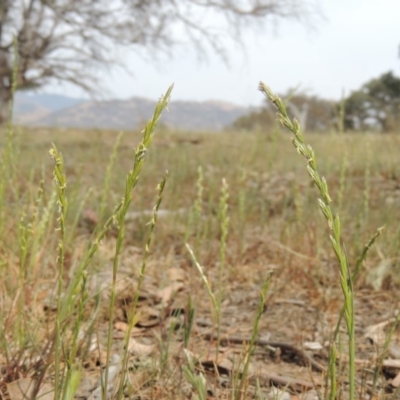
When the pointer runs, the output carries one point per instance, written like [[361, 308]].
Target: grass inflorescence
[[347, 276]]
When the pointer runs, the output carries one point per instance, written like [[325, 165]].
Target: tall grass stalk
[[367, 183], [130, 183], [214, 299], [333, 221], [188, 323], [34, 229], [73, 374], [132, 317], [356, 272], [217, 300], [332, 372], [342, 180], [24, 235], [73, 300], [7, 166], [61, 185], [224, 225], [197, 211], [239, 391], [75, 297], [242, 208], [203, 277]]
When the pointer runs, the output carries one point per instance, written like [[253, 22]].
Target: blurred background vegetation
[[374, 107]]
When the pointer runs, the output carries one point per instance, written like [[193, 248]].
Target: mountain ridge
[[63, 111]]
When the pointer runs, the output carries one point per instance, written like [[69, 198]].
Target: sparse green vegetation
[[100, 298]]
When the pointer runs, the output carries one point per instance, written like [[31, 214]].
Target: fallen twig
[[284, 347]]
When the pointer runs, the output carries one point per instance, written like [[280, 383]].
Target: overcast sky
[[358, 40]]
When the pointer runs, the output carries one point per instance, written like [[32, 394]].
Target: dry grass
[[274, 224]]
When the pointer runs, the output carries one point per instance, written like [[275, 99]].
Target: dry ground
[[274, 226]]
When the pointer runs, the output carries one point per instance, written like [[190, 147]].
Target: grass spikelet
[[203, 277], [198, 206]]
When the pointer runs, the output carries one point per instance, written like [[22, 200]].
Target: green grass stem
[[132, 317], [239, 391], [61, 185], [130, 183], [333, 221]]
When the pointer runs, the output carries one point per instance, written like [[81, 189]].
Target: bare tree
[[69, 40]]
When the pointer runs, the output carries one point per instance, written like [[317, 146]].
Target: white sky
[[357, 41]]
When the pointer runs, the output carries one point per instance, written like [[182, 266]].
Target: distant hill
[[33, 107], [62, 111]]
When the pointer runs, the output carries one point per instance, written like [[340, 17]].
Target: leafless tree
[[69, 40]]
